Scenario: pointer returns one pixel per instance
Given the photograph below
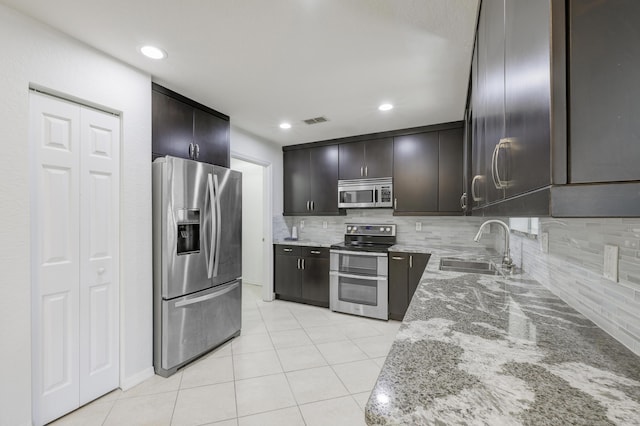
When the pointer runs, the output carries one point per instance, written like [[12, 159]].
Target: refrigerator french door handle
[[216, 256], [210, 257], [207, 296]]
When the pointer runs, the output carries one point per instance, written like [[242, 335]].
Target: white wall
[[35, 54], [254, 147], [252, 221]]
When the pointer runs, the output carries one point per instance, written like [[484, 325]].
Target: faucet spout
[[506, 258]]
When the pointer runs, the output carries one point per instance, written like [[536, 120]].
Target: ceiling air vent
[[315, 120]]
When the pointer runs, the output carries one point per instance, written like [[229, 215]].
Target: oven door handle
[[358, 277], [358, 253]]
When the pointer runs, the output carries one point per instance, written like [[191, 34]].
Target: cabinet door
[[478, 178], [211, 133], [288, 277], [604, 91], [450, 175], [315, 278], [378, 158], [172, 126], [415, 177], [351, 160], [398, 284], [323, 179], [492, 70], [417, 265], [296, 181], [527, 160]]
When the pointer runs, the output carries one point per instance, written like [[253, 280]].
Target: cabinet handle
[[298, 263], [308, 206], [395, 204], [463, 201], [191, 148], [302, 263], [287, 250], [474, 196], [361, 173], [495, 171], [410, 261], [397, 257], [313, 205], [197, 151], [315, 252], [366, 171]]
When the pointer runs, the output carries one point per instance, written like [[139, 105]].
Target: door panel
[[55, 140], [171, 126], [296, 181], [99, 213], [415, 166], [379, 158], [315, 280], [186, 188], [398, 284], [229, 252], [528, 96], [351, 160], [323, 179], [211, 133], [450, 175], [187, 322]]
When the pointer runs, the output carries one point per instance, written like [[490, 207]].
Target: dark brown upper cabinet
[[184, 128], [366, 159], [311, 181], [553, 109], [428, 173]]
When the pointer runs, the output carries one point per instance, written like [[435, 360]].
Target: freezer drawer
[[194, 324]]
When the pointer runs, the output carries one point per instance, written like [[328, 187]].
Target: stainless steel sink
[[469, 266]]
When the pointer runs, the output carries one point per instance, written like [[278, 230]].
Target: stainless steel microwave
[[365, 193]]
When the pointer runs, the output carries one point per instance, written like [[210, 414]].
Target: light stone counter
[[491, 350], [306, 243]]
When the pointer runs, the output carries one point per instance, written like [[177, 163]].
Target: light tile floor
[[293, 364]]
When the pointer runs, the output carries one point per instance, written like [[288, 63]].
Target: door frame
[[267, 225]]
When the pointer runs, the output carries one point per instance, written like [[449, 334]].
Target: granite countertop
[[501, 350], [307, 243]]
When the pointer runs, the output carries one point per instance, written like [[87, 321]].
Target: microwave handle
[[375, 194]]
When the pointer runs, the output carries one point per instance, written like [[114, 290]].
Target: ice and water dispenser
[[188, 222]]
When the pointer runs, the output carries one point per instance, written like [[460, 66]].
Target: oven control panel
[[384, 230]]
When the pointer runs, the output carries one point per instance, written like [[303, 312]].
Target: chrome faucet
[[506, 258]]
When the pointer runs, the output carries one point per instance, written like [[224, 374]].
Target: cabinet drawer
[[280, 249], [320, 252]]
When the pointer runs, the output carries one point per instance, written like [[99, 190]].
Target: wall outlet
[[301, 224], [418, 226], [610, 270], [544, 242], [324, 224]]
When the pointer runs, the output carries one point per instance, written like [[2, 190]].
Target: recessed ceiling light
[[385, 107], [153, 52], [285, 125]]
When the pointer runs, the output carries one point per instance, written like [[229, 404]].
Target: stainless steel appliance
[[359, 271], [365, 193], [197, 266]]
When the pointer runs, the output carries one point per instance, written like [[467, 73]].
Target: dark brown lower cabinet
[[405, 271], [301, 274]]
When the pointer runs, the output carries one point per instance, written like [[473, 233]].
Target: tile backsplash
[[573, 270], [440, 230]]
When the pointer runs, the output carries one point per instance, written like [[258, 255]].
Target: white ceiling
[[266, 61]]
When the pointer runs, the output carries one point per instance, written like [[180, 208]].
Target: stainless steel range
[[359, 272]]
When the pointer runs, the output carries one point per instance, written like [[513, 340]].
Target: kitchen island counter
[[480, 349]]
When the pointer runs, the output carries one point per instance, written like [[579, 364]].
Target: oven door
[[359, 295], [369, 264], [356, 196]]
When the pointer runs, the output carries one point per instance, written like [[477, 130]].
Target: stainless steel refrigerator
[[197, 260]]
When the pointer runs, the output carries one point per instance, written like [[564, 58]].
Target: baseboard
[[137, 378]]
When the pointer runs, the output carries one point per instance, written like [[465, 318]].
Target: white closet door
[[99, 209], [75, 223], [55, 214]]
